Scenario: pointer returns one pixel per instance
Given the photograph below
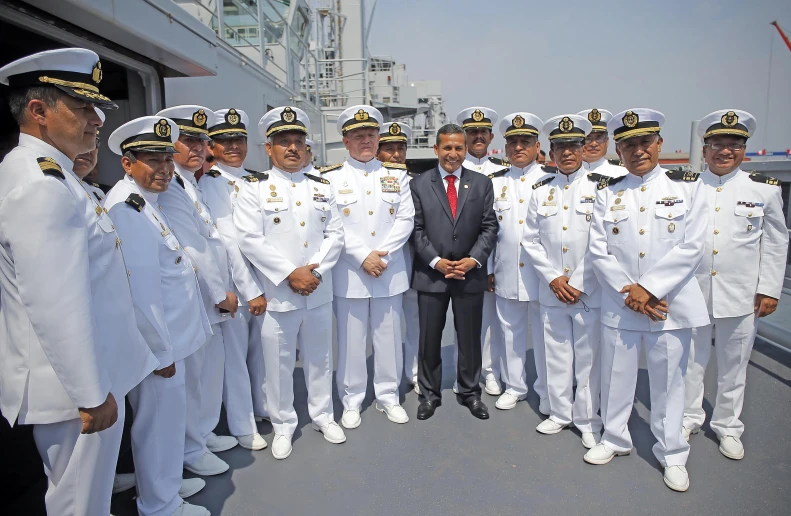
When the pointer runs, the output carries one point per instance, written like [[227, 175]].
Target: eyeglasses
[[562, 146], [596, 137], [716, 147]]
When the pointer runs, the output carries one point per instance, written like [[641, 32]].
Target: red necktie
[[452, 197]]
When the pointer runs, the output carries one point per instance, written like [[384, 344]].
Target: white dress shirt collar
[[237, 172], [570, 178], [722, 179], [186, 174], [150, 197], [46, 150], [476, 161], [367, 166], [593, 165], [647, 177], [287, 176], [533, 165]]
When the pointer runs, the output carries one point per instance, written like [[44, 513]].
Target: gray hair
[[19, 98], [130, 156], [449, 129]]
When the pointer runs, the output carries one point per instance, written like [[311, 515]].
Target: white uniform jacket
[[514, 278], [287, 221], [170, 313], [94, 189], [221, 187], [650, 230], [746, 242], [556, 233], [604, 167], [195, 231], [375, 206]]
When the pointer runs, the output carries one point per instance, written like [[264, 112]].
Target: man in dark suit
[[455, 231]]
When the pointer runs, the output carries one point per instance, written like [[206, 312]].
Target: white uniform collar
[[186, 174], [476, 161], [580, 172], [47, 150], [722, 179], [648, 177], [287, 176], [368, 166], [593, 165], [524, 171], [150, 197], [237, 172]]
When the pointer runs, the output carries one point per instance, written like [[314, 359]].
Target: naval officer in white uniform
[[515, 281], [170, 314], [377, 215], [290, 231], [66, 370], [741, 274], [597, 143], [477, 123], [646, 241], [556, 226]]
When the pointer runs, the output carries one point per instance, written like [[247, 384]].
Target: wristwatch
[[316, 274]]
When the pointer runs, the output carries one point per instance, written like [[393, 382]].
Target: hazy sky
[[683, 58]]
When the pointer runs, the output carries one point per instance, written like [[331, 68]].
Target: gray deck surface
[[454, 464]]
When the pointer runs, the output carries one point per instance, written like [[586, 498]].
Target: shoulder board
[[328, 168], [317, 178], [615, 162], [412, 174], [136, 201], [760, 178], [50, 167], [212, 173], [250, 171], [549, 170], [680, 175], [256, 177], [543, 182], [499, 173], [95, 185], [498, 161], [388, 164], [602, 180], [179, 180], [98, 197]]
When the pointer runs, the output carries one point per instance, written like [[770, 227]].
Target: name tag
[[274, 199], [390, 184], [587, 199], [669, 201], [317, 197], [549, 203], [348, 191], [748, 204], [616, 208]]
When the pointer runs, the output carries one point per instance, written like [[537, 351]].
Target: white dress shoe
[[252, 441], [281, 446], [220, 443], [677, 478], [332, 432], [549, 427], [123, 482], [601, 454], [543, 406], [395, 413], [187, 509], [209, 464], [492, 386], [589, 440], [191, 486], [351, 418], [732, 447], [687, 432], [455, 387], [507, 401]]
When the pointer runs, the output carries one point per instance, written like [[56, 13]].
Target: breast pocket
[[277, 218], [322, 214], [501, 209], [390, 207], [584, 212], [616, 226], [748, 222], [349, 209], [669, 222]]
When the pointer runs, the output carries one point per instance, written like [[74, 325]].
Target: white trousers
[[194, 442], [159, 406], [356, 317], [492, 348], [571, 341], [255, 363], [733, 342], [412, 335], [539, 353], [512, 316], [281, 332], [211, 384], [666, 356], [80, 468], [238, 392]]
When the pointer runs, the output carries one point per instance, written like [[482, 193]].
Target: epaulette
[[389, 164], [602, 180], [615, 162], [256, 177], [136, 201], [497, 161], [760, 178], [317, 178], [50, 167], [212, 173], [543, 182], [499, 173], [411, 173], [179, 180], [328, 168], [250, 171], [95, 185], [549, 169], [680, 175], [98, 197]]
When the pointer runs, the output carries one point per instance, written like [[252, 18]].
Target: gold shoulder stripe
[[50, 167], [329, 168]]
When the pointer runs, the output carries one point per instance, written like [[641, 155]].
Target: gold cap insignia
[[395, 129], [566, 125], [288, 115], [361, 115], [594, 116], [232, 117], [729, 119], [199, 118], [518, 121], [630, 119], [96, 74], [477, 115], [162, 128]]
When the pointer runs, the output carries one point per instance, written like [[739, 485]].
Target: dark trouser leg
[[432, 309], [467, 313]]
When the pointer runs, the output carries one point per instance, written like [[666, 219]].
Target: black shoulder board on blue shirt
[[179, 180], [499, 173], [328, 168], [603, 181], [256, 177], [95, 185], [760, 178], [136, 201], [549, 170], [212, 173], [50, 167], [317, 178], [543, 182], [615, 162], [680, 175]]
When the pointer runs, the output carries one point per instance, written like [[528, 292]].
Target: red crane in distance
[[782, 34]]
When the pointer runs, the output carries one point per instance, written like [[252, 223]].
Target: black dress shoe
[[427, 408], [477, 408]]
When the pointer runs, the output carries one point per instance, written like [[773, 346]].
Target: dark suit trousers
[[467, 312]]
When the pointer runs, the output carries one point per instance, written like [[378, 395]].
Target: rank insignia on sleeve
[[329, 168], [50, 167], [543, 182], [136, 201], [256, 177]]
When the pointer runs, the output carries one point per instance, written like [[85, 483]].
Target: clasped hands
[[302, 281], [563, 291], [455, 269], [642, 301]]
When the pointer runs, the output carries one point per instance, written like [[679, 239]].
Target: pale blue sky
[[684, 58]]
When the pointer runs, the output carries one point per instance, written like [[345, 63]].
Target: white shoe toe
[[209, 464], [394, 413], [220, 443], [589, 440], [549, 427], [252, 441], [281, 446], [333, 433], [187, 509], [677, 478], [732, 447], [351, 418], [191, 486], [506, 401]]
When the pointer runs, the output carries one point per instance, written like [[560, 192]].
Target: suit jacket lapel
[[464, 189], [442, 195]]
